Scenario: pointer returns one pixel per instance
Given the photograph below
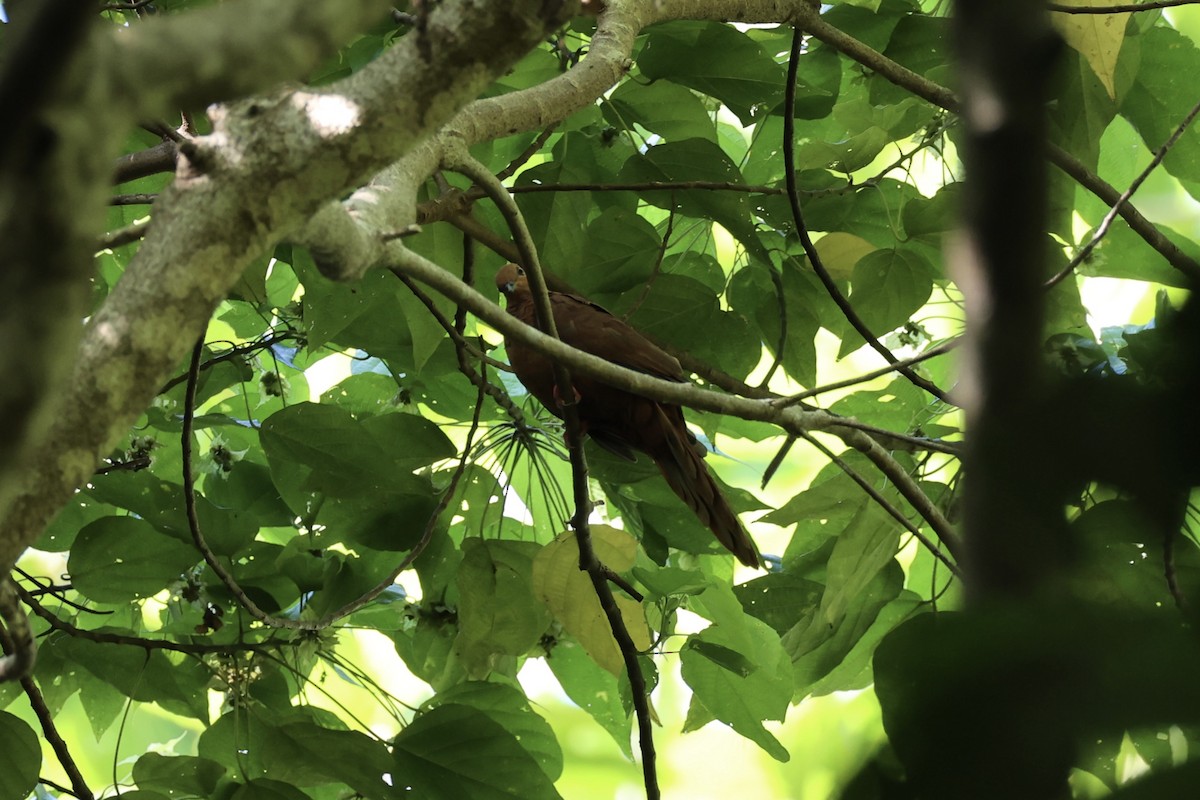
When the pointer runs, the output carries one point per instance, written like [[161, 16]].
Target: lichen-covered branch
[[266, 167], [345, 237]]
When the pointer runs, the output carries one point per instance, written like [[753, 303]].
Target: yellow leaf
[[568, 594], [1096, 37], [841, 251]]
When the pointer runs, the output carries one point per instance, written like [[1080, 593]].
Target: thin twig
[[132, 199], [883, 503], [210, 558], [625, 585], [106, 637], [50, 733], [662, 252], [131, 6], [526, 154], [1123, 8], [644, 186], [270, 340], [464, 349], [1170, 574], [56, 592], [944, 98], [588, 561], [485, 236], [940, 349], [56, 787], [810, 249], [122, 236], [1106, 223], [468, 277]]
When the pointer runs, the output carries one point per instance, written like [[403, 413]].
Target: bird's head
[[511, 279]]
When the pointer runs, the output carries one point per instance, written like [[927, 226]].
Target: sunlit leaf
[[571, 598]]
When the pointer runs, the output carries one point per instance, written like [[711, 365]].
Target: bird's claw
[[558, 397]]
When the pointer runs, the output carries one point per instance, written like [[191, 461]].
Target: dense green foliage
[[335, 434]]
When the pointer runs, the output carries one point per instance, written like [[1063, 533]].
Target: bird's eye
[[520, 272]]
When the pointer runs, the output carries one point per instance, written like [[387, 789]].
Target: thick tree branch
[[344, 237], [266, 167], [54, 182], [792, 419], [216, 53]]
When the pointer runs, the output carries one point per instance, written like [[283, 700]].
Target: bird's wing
[[591, 328]]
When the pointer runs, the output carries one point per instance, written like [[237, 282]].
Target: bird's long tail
[[688, 477]]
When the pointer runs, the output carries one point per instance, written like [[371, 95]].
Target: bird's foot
[[558, 401]]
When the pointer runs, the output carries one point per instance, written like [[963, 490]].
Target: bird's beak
[[508, 287]]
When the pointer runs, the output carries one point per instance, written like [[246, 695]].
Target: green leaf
[[353, 314], [843, 663], [677, 310], [266, 790], [694, 160], [389, 521], [179, 686], [722, 656], [866, 546], [753, 293], [298, 752], [101, 700], [178, 776], [569, 595], [364, 393], [779, 598], [20, 758], [919, 42], [849, 154], [872, 215], [247, 490], [347, 457], [1160, 97], [719, 61], [593, 688], [509, 707], [758, 688], [116, 559], [428, 650], [161, 504], [556, 220], [661, 107], [889, 286], [622, 251], [1121, 567], [1124, 254], [498, 613], [60, 534], [1098, 38], [455, 751]]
